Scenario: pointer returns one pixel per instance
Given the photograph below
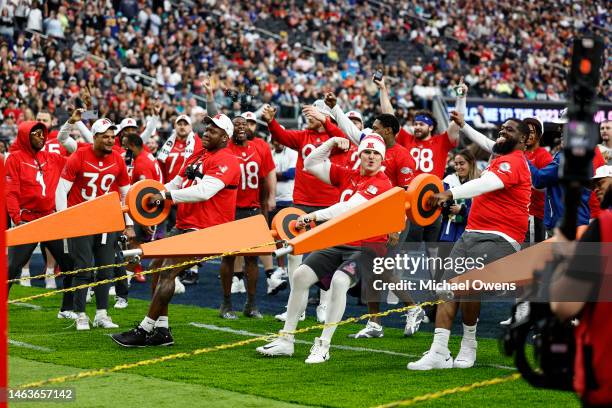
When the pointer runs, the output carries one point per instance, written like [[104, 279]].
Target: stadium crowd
[[195, 129]]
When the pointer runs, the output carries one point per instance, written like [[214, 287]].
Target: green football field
[[360, 373]]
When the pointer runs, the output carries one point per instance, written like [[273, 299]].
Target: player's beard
[[504, 147]]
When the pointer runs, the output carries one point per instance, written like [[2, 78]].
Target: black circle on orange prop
[[420, 189], [138, 207], [284, 223]]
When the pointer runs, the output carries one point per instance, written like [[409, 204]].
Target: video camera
[[552, 340]]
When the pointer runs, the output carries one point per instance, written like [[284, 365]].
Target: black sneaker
[[226, 312], [251, 311], [190, 278], [160, 336], [137, 337]]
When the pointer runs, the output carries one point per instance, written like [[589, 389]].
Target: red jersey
[[177, 157], [264, 151], [540, 158], [429, 155], [400, 167], [252, 170], [146, 166], [221, 207], [53, 145], [352, 182], [505, 210], [31, 178], [94, 176], [594, 205], [308, 190]]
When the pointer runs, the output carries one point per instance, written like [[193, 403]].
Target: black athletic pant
[[19, 255], [93, 250], [121, 286]]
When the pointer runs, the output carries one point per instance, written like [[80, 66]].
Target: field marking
[[29, 305], [336, 346], [29, 346]]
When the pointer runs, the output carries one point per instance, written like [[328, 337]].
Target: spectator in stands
[[605, 133], [482, 124]]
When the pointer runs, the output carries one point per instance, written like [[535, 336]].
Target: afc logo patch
[[350, 268]]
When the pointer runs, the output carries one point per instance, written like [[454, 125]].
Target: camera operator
[[590, 277]]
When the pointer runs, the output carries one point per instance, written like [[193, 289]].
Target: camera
[[378, 75]]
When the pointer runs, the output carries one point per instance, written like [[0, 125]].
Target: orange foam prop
[[219, 239], [102, 214], [380, 215]]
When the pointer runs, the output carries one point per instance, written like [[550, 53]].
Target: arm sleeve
[[63, 136], [289, 138], [204, 190], [85, 132], [174, 184], [13, 189], [317, 163], [475, 136], [340, 208], [288, 174], [345, 124], [453, 133], [484, 184], [149, 129], [61, 194], [123, 190], [333, 130], [460, 104], [546, 176]]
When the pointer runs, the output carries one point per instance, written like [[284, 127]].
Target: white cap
[[322, 107], [249, 116], [354, 115], [102, 125], [603, 172], [183, 117], [372, 141], [563, 119], [222, 121], [126, 123]]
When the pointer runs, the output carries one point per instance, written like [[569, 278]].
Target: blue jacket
[[451, 231], [554, 207]]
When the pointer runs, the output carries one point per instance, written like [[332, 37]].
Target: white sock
[[101, 312], [293, 262], [324, 297], [441, 337], [50, 271], [162, 321], [298, 297], [82, 314], [469, 332], [25, 272], [147, 324], [336, 303]]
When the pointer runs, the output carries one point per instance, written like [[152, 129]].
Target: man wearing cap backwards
[[496, 226], [90, 172], [205, 193], [339, 268], [309, 193], [539, 157], [32, 175], [253, 172]]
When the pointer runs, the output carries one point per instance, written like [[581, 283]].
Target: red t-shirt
[[145, 166], [540, 158], [400, 167], [52, 145], [308, 190], [594, 204], [221, 207], [177, 157], [505, 210], [93, 176], [352, 182], [263, 148], [252, 170], [429, 155]]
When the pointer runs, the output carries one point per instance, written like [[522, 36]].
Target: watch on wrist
[[167, 195]]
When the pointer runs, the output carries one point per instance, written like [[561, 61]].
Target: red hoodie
[[31, 177]]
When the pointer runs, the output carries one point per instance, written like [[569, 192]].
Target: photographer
[[590, 277]]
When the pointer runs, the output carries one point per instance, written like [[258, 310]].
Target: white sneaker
[[414, 317], [280, 273], [90, 293], [467, 354], [82, 323], [521, 313], [67, 314], [319, 352], [179, 288], [104, 321], [28, 282], [283, 316], [372, 330], [238, 285], [50, 282], [506, 322], [275, 284], [321, 313], [434, 358], [111, 291], [281, 346], [120, 303]]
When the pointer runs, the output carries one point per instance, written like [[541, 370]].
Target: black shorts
[[242, 213], [353, 261]]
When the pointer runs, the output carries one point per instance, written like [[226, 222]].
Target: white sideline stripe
[[31, 306], [336, 346], [29, 346]]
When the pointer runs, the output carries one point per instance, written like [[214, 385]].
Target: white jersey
[[284, 161]]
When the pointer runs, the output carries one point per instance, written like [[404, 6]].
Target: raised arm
[[385, 101], [318, 164]]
